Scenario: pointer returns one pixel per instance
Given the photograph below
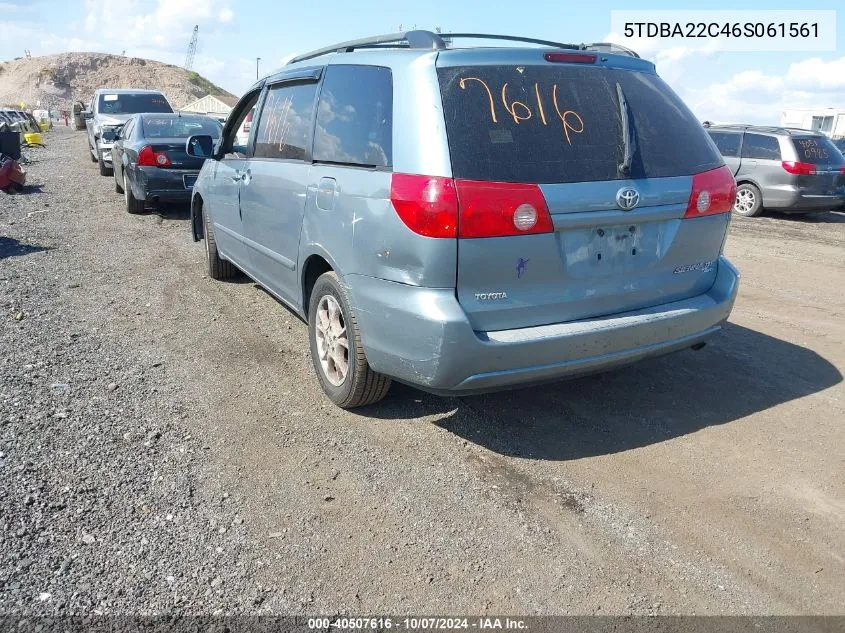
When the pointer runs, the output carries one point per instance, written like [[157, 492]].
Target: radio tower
[[192, 49]]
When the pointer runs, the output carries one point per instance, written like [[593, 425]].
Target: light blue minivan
[[471, 219]]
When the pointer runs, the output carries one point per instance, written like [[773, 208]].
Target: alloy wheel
[[745, 201], [332, 340]]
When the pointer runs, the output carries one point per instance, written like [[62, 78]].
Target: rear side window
[[562, 123], [284, 127], [355, 117], [727, 143], [759, 146], [817, 149]]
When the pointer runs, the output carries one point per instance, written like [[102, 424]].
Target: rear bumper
[[791, 199], [421, 336], [164, 185]]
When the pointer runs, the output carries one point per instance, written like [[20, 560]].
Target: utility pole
[[257, 59]]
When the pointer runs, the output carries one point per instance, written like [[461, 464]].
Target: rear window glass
[[547, 124], [355, 116], [124, 103], [180, 127], [761, 147], [817, 150], [727, 142]]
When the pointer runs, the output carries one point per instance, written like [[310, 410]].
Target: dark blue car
[[150, 162]]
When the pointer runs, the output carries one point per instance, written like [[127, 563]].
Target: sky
[[748, 87]]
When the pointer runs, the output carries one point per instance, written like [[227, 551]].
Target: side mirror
[[200, 146], [87, 115]]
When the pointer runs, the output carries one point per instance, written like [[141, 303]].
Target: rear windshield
[[546, 124], [819, 150], [179, 127], [132, 103]]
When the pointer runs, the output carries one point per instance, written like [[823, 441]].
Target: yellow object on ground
[[33, 138], [44, 125]]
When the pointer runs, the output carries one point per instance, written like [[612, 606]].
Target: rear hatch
[[615, 155], [819, 168]]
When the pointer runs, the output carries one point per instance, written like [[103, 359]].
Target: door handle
[[237, 177]]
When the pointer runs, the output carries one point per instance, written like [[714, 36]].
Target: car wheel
[[749, 202], [218, 268], [105, 170], [132, 205], [336, 350], [118, 188]]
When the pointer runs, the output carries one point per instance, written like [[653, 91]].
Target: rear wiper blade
[[627, 132]]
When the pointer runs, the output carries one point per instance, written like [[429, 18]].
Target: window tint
[[559, 123], [355, 116], [818, 150], [284, 127], [122, 103], [759, 146], [727, 142], [179, 127]]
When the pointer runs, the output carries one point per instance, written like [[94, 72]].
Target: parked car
[[149, 158], [111, 108], [782, 169], [471, 219]]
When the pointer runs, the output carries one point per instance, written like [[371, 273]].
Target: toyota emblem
[[627, 198]]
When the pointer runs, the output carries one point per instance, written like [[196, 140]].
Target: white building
[[218, 107], [831, 121]]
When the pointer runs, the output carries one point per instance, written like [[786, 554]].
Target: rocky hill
[[59, 80]]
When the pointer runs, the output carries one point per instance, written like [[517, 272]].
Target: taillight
[[428, 205], [495, 209], [434, 206], [570, 58], [148, 158], [713, 192], [799, 169]]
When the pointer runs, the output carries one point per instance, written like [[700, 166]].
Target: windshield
[[180, 127], [818, 150], [546, 124], [132, 103]]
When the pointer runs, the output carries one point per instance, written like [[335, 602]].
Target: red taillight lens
[[713, 192], [799, 169], [495, 209], [570, 58], [434, 206], [148, 158], [428, 205]]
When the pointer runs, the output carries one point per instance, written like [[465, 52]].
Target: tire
[[359, 385], [104, 169], [133, 205], [749, 201], [118, 188], [218, 268]]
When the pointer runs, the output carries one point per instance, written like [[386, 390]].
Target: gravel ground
[[164, 446]]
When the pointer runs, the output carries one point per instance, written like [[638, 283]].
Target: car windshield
[[818, 150], [564, 123], [180, 127], [127, 103]]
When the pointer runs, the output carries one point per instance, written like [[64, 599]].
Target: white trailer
[[831, 121]]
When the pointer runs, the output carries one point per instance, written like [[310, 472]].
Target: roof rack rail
[[609, 47], [438, 41], [406, 39], [509, 38]]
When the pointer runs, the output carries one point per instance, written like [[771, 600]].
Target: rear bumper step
[[446, 356]]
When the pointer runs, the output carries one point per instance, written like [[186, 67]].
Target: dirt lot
[[165, 447]]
